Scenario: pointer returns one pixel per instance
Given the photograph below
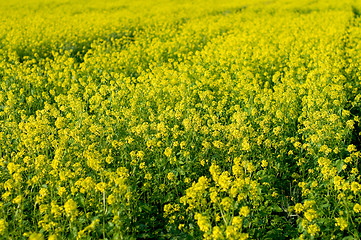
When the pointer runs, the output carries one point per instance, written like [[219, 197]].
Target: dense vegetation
[[176, 119]]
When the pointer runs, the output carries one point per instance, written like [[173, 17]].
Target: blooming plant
[[180, 119]]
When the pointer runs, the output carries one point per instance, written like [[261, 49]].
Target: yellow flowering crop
[[185, 119]]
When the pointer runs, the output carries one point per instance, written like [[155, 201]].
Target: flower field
[[170, 119]]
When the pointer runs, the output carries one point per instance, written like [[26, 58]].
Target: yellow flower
[[226, 203], [168, 209], [351, 148], [309, 203], [310, 214], [313, 229], [148, 176], [277, 130], [18, 199], [170, 176], [264, 163], [53, 237], [338, 181], [224, 181], [43, 191], [350, 124], [355, 187], [237, 222], [43, 208], [298, 207], [215, 171], [218, 144], [230, 232], [302, 184], [246, 146], [342, 223], [55, 209], [3, 226], [244, 211], [297, 144], [314, 184], [357, 208], [142, 165], [243, 236], [36, 236], [354, 171], [140, 154], [217, 233], [168, 152], [12, 167], [202, 222], [111, 199], [61, 191], [101, 186], [70, 207]]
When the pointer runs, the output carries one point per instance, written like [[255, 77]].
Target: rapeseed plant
[[180, 119]]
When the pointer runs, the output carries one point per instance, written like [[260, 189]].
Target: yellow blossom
[[310, 214], [217, 233], [202, 222], [36, 236], [264, 163], [170, 176], [298, 207], [313, 229], [244, 211], [3, 226], [357, 208], [355, 187], [226, 203], [70, 207], [341, 222], [168, 152]]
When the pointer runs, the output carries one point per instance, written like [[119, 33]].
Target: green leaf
[[277, 208], [339, 165]]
